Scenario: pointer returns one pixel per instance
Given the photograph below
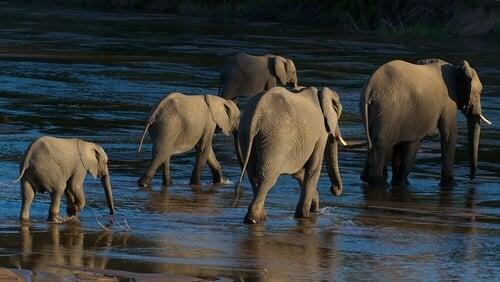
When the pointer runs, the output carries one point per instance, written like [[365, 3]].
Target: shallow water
[[96, 75]]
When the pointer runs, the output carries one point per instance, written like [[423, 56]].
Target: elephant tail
[[143, 135], [251, 136], [366, 102], [26, 163]]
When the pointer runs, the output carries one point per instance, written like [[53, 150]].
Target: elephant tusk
[[485, 120], [342, 141]]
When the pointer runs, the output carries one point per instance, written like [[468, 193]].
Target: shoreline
[[461, 18]]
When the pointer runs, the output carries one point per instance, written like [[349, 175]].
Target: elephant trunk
[[332, 163], [473, 131], [106, 184], [237, 148]]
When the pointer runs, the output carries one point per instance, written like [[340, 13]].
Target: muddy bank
[[405, 18]]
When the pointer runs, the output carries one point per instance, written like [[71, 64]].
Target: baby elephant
[[283, 132], [59, 166], [179, 123]]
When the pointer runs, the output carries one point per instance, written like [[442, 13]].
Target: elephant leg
[[365, 173], [299, 176], [309, 192], [409, 155], [377, 159], [397, 156], [315, 202], [71, 209], [75, 189], [166, 176], [27, 194], [256, 211], [201, 160], [215, 167], [448, 131], [55, 205], [158, 160]]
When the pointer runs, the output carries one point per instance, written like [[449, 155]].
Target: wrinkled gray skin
[[247, 75], [59, 166], [179, 123], [282, 132], [402, 103]]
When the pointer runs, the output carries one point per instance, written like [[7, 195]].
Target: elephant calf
[[281, 132], [59, 166], [179, 123], [247, 75]]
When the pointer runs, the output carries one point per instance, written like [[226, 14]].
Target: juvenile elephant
[[284, 132], [402, 103], [179, 123], [59, 166], [247, 75]]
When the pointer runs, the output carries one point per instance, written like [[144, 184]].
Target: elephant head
[[332, 109], [285, 71], [468, 98], [225, 113], [95, 161]]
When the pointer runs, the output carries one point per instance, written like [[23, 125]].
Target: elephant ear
[[224, 113], [332, 109], [464, 85], [469, 93], [280, 69], [89, 157]]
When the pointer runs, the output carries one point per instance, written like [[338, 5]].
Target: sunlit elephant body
[[59, 166], [247, 75], [179, 123], [402, 103], [282, 132]]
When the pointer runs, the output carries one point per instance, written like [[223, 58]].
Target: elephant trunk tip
[[336, 190]]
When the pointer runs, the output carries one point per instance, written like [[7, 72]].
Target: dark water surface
[[96, 75]]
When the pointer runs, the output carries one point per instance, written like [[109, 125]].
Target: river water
[[96, 76]]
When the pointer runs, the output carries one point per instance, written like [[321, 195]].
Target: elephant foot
[[24, 220], [60, 220], [303, 212], [378, 181], [314, 206], [56, 219], [364, 177], [250, 219], [221, 180], [144, 182], [400, 182], [166, 182], [447, 181]]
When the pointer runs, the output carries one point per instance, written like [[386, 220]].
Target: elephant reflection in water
[[305, 249], [203, 200], [406, 201], [60, 247]]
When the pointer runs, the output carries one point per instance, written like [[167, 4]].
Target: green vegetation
[[401, 17]]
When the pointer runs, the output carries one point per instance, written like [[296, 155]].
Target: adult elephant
[[402, 103], [247, 75], [59, 166], [283, 132]]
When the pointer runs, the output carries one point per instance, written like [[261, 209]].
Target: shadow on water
[[96, 76]]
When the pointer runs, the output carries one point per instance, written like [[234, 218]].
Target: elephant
[[403, 102], [59, 166], [179, 123], [247, 75], [283, 132]]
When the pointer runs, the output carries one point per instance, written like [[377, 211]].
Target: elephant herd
[[280, 131]]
